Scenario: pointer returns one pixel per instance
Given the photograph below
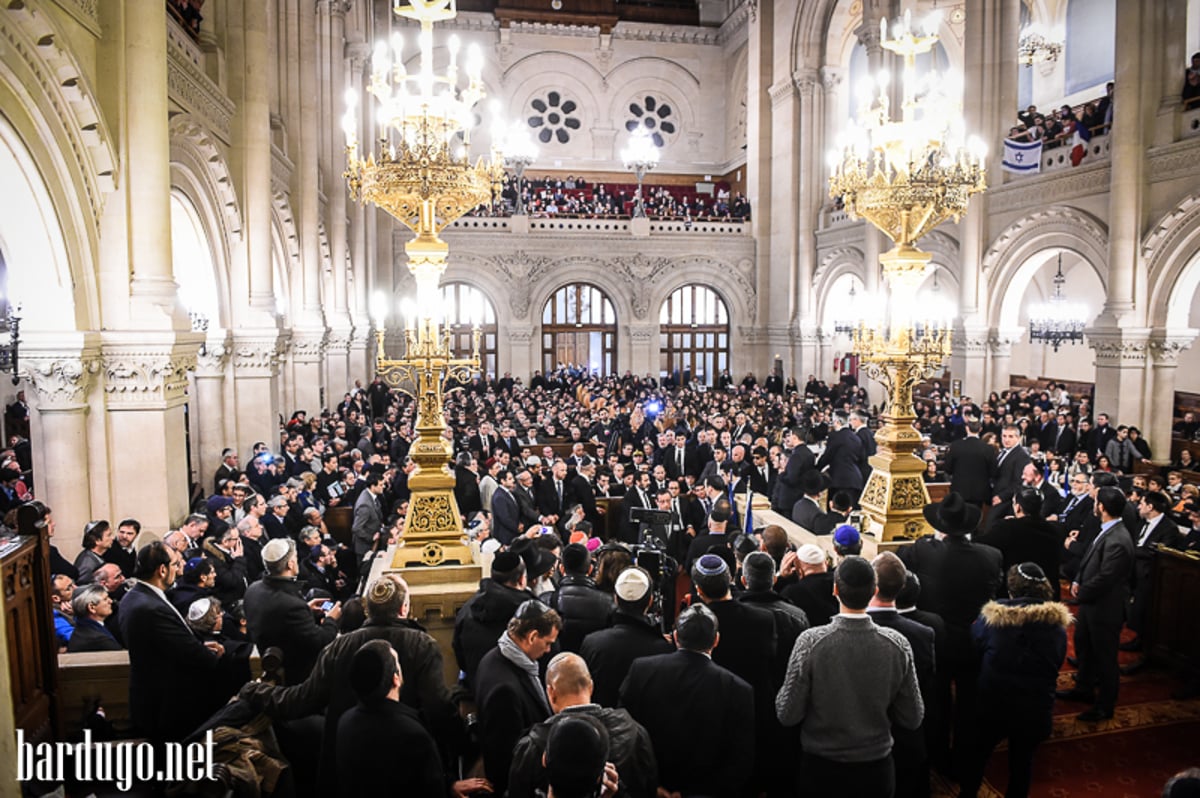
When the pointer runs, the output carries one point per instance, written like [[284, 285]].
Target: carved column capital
[[61, 382], [309, 346], [257, 354], [1165, 347], [144, 376], [1119, 348]]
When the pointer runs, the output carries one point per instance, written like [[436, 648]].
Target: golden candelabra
[[905, 176], [422, 175]]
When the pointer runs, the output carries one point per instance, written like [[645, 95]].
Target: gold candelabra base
[[899, 358]]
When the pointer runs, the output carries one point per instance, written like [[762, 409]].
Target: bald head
[[568, 682]]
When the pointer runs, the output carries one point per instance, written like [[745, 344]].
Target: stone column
[[152, 290], [145, 388], [62, 378], [989, 98], [824, 367], [361, 360], [875, 241], [308, 322], [812, 192], [643, 348], [332, 74], [1165, 349], [783, 267], [256, 395], [999, 345], [209, 407], [523, 357], [1120, 373], [1170, 43], [760, 177]]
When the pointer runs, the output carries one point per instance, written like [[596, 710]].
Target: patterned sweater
[[846, 682]]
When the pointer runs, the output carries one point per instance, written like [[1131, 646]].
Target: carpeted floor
[[1150, 738]]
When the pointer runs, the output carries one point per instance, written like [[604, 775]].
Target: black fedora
[[953, 515], [814, 482]]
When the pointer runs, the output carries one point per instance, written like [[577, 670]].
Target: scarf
[[513, 653]]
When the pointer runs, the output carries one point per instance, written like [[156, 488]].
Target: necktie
[[1003, 454], [1146, 529], [679, 459], [1070, 505], [558, 488]]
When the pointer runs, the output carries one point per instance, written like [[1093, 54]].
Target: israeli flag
[[1022, 157]]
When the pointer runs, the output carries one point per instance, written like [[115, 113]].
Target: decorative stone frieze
[[212, 360], [146, 376], [521, 271], [188, 86], [1079, 182], [257, 355], [338, 341], [309, 346]]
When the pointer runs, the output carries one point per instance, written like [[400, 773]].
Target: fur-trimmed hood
[[210, 548], [1001, 614]]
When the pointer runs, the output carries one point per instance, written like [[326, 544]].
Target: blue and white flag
[[1022, 157]]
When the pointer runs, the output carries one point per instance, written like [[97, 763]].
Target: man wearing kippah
[[846, 683], [699, 715]]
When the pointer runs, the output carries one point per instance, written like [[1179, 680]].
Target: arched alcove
[[694, 334], [579, 326], [192, 256], [464, 306], [1033, 285]]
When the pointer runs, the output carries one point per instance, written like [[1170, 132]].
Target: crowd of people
[[782, 671], [576, 197]]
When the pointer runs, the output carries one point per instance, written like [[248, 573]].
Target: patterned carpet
[[1150, 738]]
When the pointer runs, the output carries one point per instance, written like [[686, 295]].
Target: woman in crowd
[[1022, 641]]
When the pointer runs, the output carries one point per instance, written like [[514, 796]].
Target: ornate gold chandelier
[[420, 172], [905, 176]]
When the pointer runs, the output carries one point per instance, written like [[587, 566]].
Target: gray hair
[[85, 597]]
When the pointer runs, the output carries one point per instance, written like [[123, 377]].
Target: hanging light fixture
[[904, 175], [1039, 44], [1057, 321], [847, 323]]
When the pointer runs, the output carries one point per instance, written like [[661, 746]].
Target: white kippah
[[276, 550], [811, 554], [198, 609]]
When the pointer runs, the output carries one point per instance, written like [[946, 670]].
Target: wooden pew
[[87, 677]]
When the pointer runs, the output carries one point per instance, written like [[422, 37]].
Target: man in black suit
[[1047, 432], [527, 509], [680, 460], [806, 510], [1010, 464], [966, 576], [227, 469], [123, 552], [1025, 537], [661, 693], [1067, 439], [163, 652], [1052, 500], [505, 513], [1101, 435], [843, 457], [466, 484], [1160, 530], [610, 652], [277, 615], [1079, 539], [858, 423], [555, 495], [910, 753], [1078, 505], [749, 652], [800, 460], [638, 497], [971, 464], [1101, 590], [509, 694], [937, 731], [762, 476], [583, 490]]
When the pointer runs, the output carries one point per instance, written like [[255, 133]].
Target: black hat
[[953, 515], [814, 482], [505, 562], [575, 557], [538, 561]]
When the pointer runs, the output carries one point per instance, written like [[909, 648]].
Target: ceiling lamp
[[1057, 321]]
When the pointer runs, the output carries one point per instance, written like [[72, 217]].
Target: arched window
[[579, 327], [460, 301], [694, 335], [193, 261]]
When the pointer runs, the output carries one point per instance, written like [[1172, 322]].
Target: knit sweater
[[846, 682]]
